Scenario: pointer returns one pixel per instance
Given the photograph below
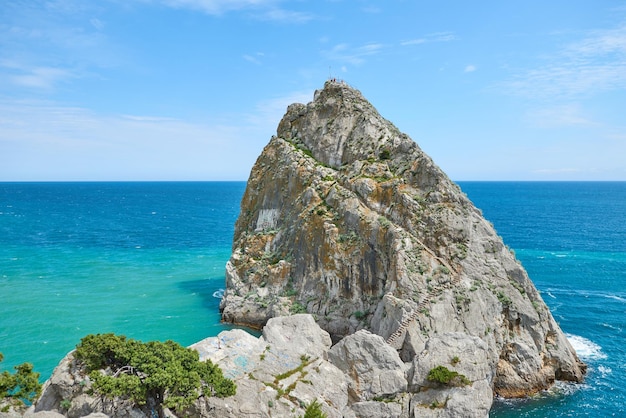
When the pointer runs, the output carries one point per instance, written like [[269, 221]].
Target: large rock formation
[[344, 217]]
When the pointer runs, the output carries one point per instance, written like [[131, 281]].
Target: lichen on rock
[[346, 218]]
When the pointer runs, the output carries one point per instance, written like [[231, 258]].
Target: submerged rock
[[346, 218]]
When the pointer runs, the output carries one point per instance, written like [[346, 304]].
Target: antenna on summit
[[330, 75]]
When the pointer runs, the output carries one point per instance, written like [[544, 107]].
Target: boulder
[[374, 367], [470, 358], [277, 374]]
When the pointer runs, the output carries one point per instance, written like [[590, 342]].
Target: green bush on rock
[[445, 376], [155, 373], [20, 387], [314, 410]]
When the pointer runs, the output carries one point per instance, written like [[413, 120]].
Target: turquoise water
[[139, 259], [147, 260], [571, 238]]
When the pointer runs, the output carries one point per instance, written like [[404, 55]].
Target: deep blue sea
[[147, 260]]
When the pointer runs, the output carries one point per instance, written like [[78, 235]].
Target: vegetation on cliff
[[19, 388], [152, 374], [445, 376]]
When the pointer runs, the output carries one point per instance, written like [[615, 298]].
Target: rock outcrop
[[293, 364], [68, 393], [346, 218]]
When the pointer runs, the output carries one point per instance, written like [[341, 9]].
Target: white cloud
[[96, 23], [216, 7], [269, 112], [470, 68], [592, 65], [45, 78], [33, 77], [45, 141], [46, 43], [570, 114], [285, 16], [251, 58], [345, 53], [617, 136], [600, 43], [433, 37], [262, 9]]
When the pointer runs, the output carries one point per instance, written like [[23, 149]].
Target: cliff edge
[[346, 218]]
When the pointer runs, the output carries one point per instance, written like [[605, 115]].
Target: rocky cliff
[[346, 218]]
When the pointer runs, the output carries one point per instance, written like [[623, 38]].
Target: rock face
[[344, 217]]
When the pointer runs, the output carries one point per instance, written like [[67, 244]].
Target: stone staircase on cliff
[[404, 324], [432, 292], [406, 321]]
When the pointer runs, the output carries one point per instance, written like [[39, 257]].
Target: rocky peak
[[340, 127], [345, 217]]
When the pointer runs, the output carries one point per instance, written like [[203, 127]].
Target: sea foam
[[586, 349]]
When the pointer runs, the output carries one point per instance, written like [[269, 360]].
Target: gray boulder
[[277, 374], [373, 366], [470, 357]]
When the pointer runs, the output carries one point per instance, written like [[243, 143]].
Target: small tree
[[22, 386], [153, 374]]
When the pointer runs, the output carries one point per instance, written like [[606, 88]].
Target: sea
[[147, 260]]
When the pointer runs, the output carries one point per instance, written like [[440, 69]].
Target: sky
[[116, 90]]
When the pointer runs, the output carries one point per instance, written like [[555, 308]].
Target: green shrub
[[504, 299], [359, 315], [443, 375], [22, 386], [384, 222], [314, 410], [297, 308], [164, 372]]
